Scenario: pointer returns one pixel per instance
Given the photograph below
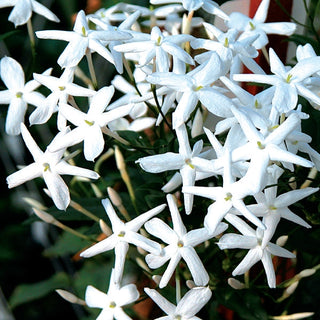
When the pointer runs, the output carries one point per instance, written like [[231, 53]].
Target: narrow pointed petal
[[251, 258], [93, 143], [44, 11], [27, 173], [15, 116], [161, 162], [30, 143], [279, 251], [170, 270], [163, 303], [21, 13], [73, 53], [288, 198], [137, 222], [65, 168], [161, 230], [195, 265], [58, 189], [102, 246], [193, 301], [262, 11], [269, 269], [234, 241], [120, 251]]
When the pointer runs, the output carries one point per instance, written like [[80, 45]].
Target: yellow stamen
[[226, 42], [228, 196], [180, 244], [260, 145], [188, 162], [257, 105], [90, 123], [83, 29], [252, 26], [19, 94], [158, 42], [112, 304], [46, 166], [289, 78], [61, 88], [121, 234]]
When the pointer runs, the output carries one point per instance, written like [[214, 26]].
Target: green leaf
[[9, 34], [29, 292], [246, 303], [67, 244]]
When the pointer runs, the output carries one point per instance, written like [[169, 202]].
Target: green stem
[[91, 69]]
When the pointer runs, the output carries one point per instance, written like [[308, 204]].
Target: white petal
[[193, 301], [93, 143], [269, 269], [198, 272], [126, 295], [233, 241], [170, 270], [44, 11], [161, 230], [163, 303], [27, 173], [30, 143], [95, 298], [251, 258], [21, 13], [161, 162], [12, 73], [73, 53], [58, 189], [66, 168], [15, 116]]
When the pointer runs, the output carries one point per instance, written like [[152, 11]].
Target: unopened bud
[[190, 284], [119, 159], [197, 125], [105, 228], [306, 273], [34, 203], [281, 241], [156, 279], [236, 284], [70, 297], [44, 216], [294, 316], [114, 197], [140, 262]]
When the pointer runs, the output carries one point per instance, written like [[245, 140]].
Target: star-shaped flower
[[252, 240], [187, 161], [50, 166], [190, 304], [23, 9], [257, 25], [19, 94], [60, 88], [112, 302], [288, 83], [90, 125], [81, 39], [123, 234], [180, 245]]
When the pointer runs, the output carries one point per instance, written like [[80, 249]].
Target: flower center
[[61, 88], [228, 196], [112, 305], [19, 94], [121, 234], [252, 26], [226, 42], [188, 162], [83, 30], [257, 105], [272, 207], [180, 244], [178, 317], [260, 145], [89, 123], [158, 42], [46, 167], [289, 78]]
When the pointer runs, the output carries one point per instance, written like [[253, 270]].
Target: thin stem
[[31, 35], [91, 69], [84, 211]]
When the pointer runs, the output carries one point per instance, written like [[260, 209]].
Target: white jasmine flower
[[124, 26], [187, 161], [288, 83], [272, 208], [19, 94], [23, 9], [261, 148], [180, 245], [60, 88], [190, 304], [252, 240], [82, 39], [257, 25], [123, 234], [90, 124], [50, 166], [112, 302], [231, 50], [158, 46], [195, 86], [231, 194]]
